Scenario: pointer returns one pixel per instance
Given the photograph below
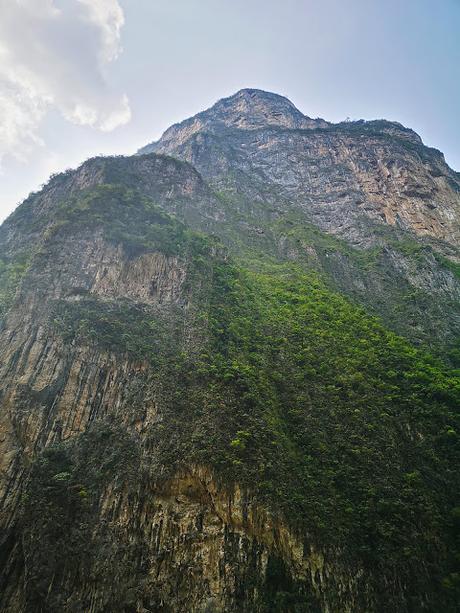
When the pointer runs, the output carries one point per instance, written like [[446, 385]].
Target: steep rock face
[[53, 391], [191, 426], [337, 173], [248, 109], [392, 204]]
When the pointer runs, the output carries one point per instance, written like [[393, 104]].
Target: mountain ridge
[[383, 174], [274, 110]]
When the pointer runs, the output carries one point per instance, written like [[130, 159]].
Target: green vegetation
[[454, 267], [134, 221], [11, 273], [126, 217], [120, 326], [346, 428], [123, 215]]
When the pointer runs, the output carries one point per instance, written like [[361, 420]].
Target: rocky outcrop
[[336, 173]]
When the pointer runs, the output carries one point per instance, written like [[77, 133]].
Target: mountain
[[366, 191], [230, 376], [375, 170]]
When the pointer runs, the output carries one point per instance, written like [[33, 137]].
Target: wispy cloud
[[54, 55]]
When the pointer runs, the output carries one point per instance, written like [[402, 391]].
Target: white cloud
[[54, 55]]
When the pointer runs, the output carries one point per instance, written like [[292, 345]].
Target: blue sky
[[84, 77]]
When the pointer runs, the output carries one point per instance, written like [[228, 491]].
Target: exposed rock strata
[[337, 173]]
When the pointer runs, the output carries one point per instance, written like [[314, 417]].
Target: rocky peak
[[254, 108], [260, 144], [248, 109]]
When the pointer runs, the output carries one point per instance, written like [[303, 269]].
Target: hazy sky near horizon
[[85, 77]]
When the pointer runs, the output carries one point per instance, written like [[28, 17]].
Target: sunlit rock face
[[199, 411], [337, 173]]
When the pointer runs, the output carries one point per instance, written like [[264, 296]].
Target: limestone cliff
[[379, 196], [338, 174], [198, 409]]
